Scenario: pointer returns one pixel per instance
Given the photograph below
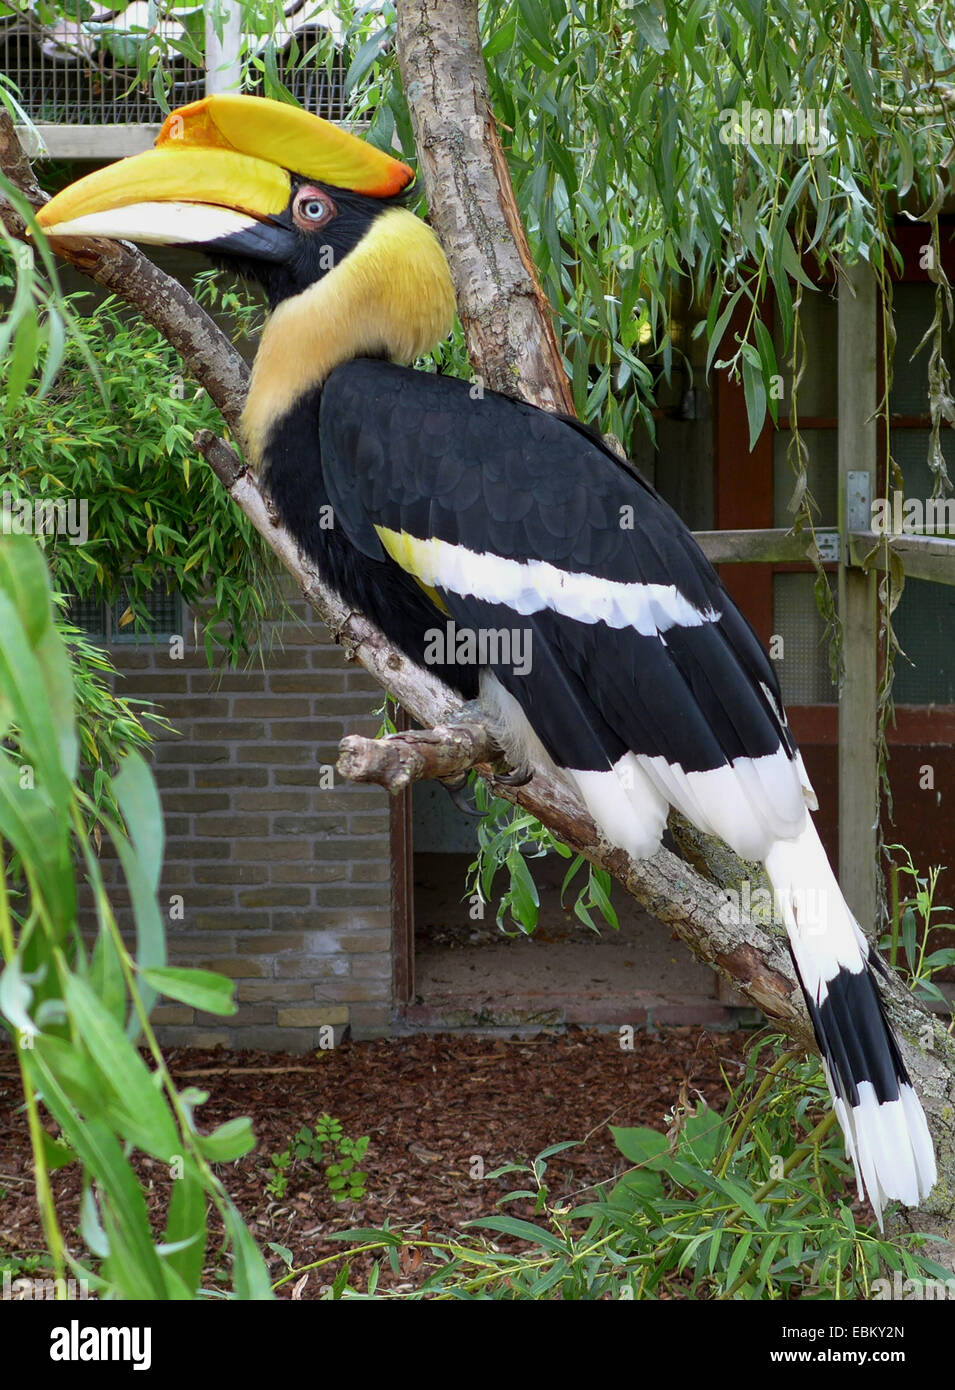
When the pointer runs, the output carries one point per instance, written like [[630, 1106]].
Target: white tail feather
[[886, 1139]]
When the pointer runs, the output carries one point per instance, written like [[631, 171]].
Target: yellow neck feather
[[391, 296]]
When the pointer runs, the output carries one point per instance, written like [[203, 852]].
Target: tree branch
[[446, 752]]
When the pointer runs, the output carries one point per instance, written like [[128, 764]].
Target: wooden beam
[[86, 141], [858, 697], [762, 545], [924, 557], [104, 142], [402, 885]]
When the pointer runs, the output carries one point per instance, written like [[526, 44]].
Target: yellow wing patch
[[416, 557]]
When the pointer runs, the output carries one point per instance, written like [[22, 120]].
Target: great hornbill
[[646, 685]]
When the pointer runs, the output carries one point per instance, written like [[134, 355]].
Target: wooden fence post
[[858, 609]]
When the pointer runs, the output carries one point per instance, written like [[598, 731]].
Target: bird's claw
[[455, 788], [518, 778]]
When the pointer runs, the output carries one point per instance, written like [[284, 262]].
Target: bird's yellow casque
[[233, 151], [453, 509]]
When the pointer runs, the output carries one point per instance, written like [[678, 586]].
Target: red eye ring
[[312, 208]]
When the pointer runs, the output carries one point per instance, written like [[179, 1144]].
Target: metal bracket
[[828, 543], [858, 500]]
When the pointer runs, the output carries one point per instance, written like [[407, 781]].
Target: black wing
[[522, 522]]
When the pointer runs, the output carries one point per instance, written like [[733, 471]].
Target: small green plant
[[507, 838], [911, 927], [21, 1266], [752, 1204], [317, 1148]]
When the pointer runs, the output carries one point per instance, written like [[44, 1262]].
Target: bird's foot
[[473, 712], [519, 777], [456, 789]]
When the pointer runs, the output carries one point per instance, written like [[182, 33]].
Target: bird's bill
[[221, 170], [175, 196]]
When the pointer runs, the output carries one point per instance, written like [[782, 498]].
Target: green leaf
[[754, 389], [641, 1145], [368, 53], [91, 1227], [937, 960], [704, 1135], [229, 1141], [716, 337], [637, 1188], [737, 1259], [57, 675], [525, 1230], [106, 976], [648, 25], [767, 360], [23, 578], [524, 890], [22, 360], [55, 1153], [537, 22], [74, 1072], [203, 989], [97, 1148], [150, 933], [252, 1279], [23, 685], [726, 1187], [910, 937], [186, 1225], [859, 76], [136, 1103], [142, 811]]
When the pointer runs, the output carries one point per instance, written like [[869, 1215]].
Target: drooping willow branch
[[504, 337]]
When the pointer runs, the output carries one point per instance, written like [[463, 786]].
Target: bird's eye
[[312, 209]]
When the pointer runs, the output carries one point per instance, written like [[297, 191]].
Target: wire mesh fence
[[83, 65]]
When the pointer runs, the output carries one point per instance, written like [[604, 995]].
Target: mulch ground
[[429, 1106]]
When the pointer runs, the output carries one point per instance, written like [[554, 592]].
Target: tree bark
[[447, 753], [514, 345], [505, 316]]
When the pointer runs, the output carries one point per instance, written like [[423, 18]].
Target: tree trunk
[[502, 308]]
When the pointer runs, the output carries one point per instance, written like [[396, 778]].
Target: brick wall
[[269, 876]]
